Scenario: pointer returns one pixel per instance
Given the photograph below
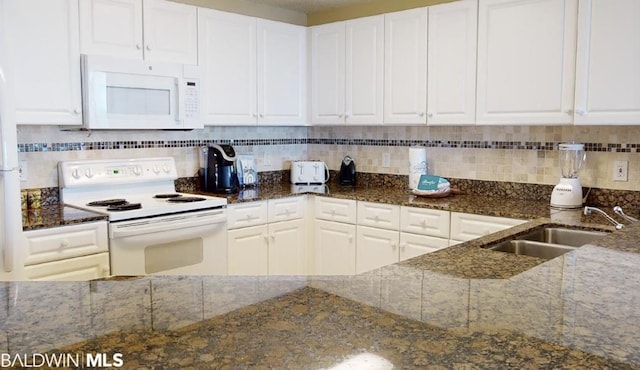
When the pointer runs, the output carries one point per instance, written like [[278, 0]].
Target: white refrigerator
[[10, 212]]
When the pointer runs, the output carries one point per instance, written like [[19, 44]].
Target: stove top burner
[[185, 199], [124, 207], [167, 196], [107, 202]]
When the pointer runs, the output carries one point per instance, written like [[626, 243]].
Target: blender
[[568, 192]]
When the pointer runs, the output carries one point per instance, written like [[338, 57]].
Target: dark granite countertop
[[462, 307], [56, 215]]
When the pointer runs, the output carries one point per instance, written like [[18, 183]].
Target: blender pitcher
[[568, 192]]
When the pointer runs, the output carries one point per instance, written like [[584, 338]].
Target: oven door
[[193, 243]]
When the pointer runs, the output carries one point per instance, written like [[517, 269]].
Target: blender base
[[567, 194]]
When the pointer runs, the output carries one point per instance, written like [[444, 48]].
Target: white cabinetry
[[466, 226], [526, 61], [347, 71], [248, 239], [156, 30], [378, 237], [423, 230], [267, 238], [451, 63], [608, 62], [405, 67], [43, 55], [254, 69], [335, 236], [76, 252]]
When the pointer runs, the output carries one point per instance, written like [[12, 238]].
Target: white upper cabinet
[[405, 67], [282, 73], [526, 61], [227, 54], [254, 70], [608, 62], [451, 63], [44, 58], [155, 30], [347, 71], [327, 73]]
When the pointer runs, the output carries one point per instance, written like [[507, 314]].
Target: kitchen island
[[461, 307]]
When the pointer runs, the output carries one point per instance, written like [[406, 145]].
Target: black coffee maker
[[221, 175]]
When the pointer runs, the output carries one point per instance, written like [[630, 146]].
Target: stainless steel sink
[[564, 236], [548, 242], [532, 248]]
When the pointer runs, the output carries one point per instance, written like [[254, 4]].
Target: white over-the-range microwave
[[124, 94]]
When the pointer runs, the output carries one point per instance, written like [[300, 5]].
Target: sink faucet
[[588, 210], [619, 212]]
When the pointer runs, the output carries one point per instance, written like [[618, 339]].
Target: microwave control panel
[[191, 100]]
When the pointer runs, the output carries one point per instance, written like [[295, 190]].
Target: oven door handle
[[167, 223]]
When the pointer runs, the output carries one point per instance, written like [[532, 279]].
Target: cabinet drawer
[[465, 226], [413, 245], [285, 209], [247, 214], [64, 242], [332, 209], [386, 216], [424, 221], [83, 268]]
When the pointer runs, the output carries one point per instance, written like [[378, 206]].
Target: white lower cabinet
[[83, 268], [335, 248], [69, 253], [287, 248], [267, 238], [466, 226], [247, 251], [414, 245], [376, 248]]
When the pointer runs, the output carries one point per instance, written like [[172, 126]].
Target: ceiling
[[309, 6]]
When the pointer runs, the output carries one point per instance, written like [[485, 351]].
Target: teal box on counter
[[429, 182]]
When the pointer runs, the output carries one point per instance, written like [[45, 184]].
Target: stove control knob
[[156, 169], [137, 170], [88, 173]]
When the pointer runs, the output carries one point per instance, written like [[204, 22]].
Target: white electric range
[[152, 228]]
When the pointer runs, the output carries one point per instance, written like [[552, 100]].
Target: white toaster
[[309, 172]]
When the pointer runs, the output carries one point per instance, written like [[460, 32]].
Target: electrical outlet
[[621, 171], [386, 160], [22, 170]]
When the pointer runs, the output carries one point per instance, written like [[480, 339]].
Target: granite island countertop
[[462, 307]]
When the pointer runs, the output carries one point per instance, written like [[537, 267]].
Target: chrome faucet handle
[[588, 210], [619, 212]]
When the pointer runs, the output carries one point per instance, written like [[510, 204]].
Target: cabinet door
[[364, 70], [287, 248], [95, 266], [466, 226], [375, 248], [413, 245], [227, 54], [335, 248], [608, 61], [405, 66], [248, 251], [327, 73], [451, 63], [526, 61], [111, 27], [170, 32], [282, 66], [44, 59]]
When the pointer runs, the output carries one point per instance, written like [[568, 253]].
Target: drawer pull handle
[[64, 243]]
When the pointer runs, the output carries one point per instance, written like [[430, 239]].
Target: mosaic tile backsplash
[[520, 154]]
